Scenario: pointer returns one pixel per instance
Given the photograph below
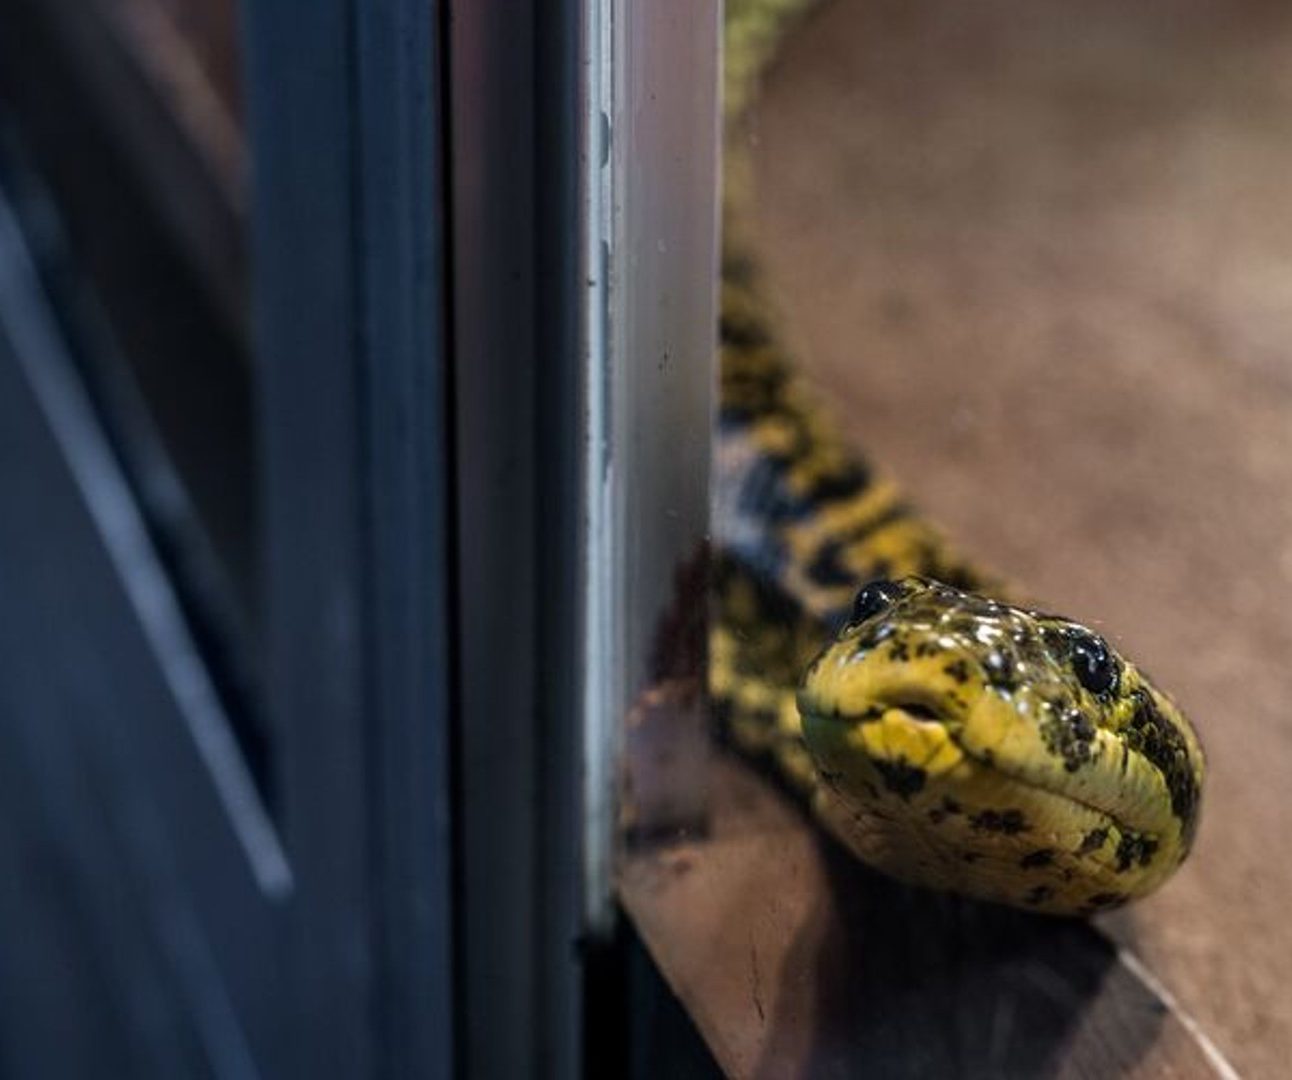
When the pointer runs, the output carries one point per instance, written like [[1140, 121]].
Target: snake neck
[[801, 519]]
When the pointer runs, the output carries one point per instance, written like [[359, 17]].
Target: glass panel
[[652, 259], [124, 120], [984, 241]]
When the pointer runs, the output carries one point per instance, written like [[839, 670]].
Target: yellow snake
[[946, 738]]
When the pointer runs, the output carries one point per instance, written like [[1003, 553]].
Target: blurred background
[[225, 821]]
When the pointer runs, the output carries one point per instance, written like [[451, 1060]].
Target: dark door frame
[[350, 328]]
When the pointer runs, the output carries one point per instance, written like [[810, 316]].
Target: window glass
[[1023, 259], [126, 117]]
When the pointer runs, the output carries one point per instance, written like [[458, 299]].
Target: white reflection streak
[[1210, 1050], [111, 507], [602, 684]]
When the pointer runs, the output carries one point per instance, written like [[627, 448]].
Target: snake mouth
[[919, 703], [922, 703], [917, 709], [917, 712]]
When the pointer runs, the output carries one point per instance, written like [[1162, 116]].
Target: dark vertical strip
[[558, 138], [349, 294], [514, 108], [560, 964], [305, 306], [307, 333], [401, 259], [497, 369]]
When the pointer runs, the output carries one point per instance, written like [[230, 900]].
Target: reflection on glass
[[126, 117]]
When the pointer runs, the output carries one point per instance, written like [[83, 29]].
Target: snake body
[[946, 736]]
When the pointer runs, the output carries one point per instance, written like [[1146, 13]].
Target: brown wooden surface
[[795, 960], [1039, 254]]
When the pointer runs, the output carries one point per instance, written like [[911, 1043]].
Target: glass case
[[366, 502]]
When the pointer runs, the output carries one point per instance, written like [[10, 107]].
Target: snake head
[[998, 751]]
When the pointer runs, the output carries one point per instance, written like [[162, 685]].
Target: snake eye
[[873, 598], [1093, 662]]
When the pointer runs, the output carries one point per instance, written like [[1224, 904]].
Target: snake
[[945, 732]]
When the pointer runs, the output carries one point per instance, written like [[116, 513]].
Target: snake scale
[[942, 733]]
